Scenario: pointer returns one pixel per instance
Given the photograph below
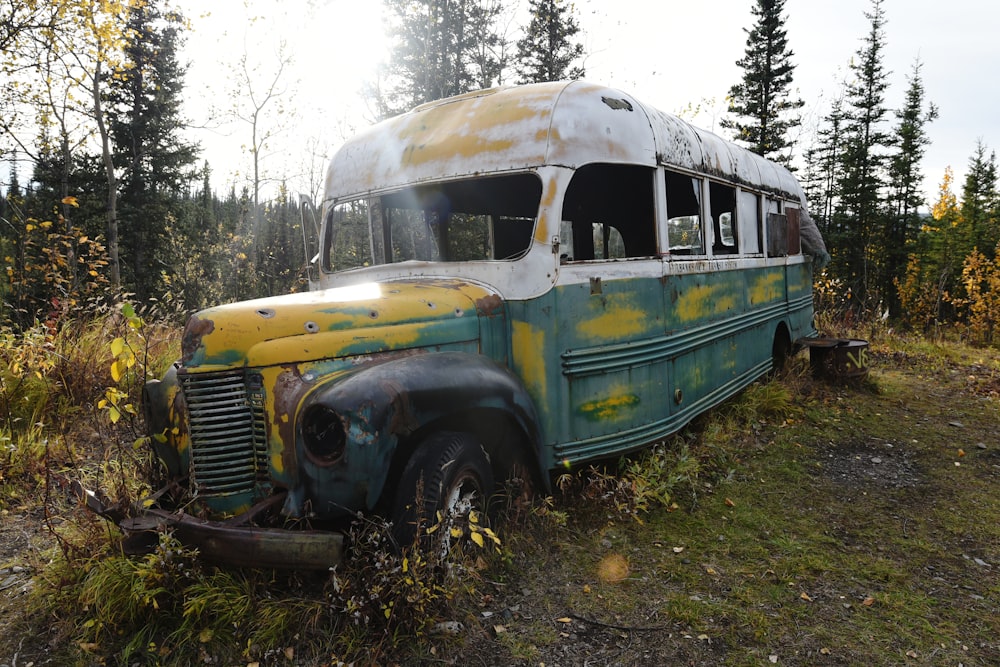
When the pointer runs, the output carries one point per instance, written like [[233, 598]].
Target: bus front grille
[[226, 425]]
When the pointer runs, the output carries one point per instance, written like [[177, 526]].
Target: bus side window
[[722, 199], [684, 232], [609, 208], [748, 222], [777, 230]]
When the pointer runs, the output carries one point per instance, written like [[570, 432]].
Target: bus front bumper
[[231, 542]]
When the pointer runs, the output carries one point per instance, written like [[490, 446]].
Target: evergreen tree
[[762, 101], [979, 203], [145, 123], [905, 181], [823, 171], [437, 51], [861, 211], [547, 51]]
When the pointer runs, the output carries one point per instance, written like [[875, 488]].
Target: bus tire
[[449, 473]]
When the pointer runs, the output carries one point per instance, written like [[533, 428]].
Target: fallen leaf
[[290, 652], [564, 619], [868, 601], [711, 571], [730, 503], [911, 653], [586, 588], [773, 658], [805, 596], [825, 651], [499, 629], [703, 637], [677, 550], [961, 452]]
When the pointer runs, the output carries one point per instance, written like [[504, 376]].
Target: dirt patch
[[869, 464]]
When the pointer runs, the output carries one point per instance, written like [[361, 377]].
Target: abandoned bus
[[518, 278]]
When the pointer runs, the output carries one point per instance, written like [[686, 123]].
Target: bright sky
[[678, 56]]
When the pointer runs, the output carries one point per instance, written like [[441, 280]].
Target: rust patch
[[288, 391], [195, 330], [490, 306]]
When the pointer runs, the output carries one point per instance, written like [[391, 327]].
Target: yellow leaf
[[564, 619], [116, 371], [477, 538], [205, 636], [117, 346], [70, 201], [456, 532], [805, 596]]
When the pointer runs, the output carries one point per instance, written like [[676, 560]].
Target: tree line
[[118, 202]]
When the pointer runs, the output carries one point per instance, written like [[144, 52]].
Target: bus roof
[[522, 127]]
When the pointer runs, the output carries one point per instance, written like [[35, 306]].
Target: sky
[[677, 56]]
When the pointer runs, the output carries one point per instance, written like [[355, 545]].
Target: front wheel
[[448, 477]]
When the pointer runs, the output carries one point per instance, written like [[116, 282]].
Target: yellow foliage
[[981, 279]]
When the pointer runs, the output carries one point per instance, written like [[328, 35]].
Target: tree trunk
[[109, 170]]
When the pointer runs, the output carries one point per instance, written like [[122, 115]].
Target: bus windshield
[[454, 221]]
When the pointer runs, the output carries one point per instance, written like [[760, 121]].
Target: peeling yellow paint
[[397, 314], [704, 301], [528, 345], [615, 407], [618, 321], [277, 463], [766, 288]]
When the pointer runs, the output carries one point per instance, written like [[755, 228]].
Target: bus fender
[[389, 406]]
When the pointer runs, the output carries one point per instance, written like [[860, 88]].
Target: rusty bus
[[524, 277]]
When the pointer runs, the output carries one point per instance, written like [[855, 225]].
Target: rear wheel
[[448, 477], [781, 349]]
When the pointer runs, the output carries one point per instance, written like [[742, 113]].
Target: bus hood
[[345, 321]]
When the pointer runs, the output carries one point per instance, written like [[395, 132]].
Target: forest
[[111, 234], [118, 202]]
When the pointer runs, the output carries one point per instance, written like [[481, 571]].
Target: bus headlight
[[324, 435]]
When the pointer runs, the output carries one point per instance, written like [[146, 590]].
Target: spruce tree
[[146, 123], [979, 203], [436, 51], [905, 179], [547, 52], [861, 211], [763, 102], [823, 171]]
